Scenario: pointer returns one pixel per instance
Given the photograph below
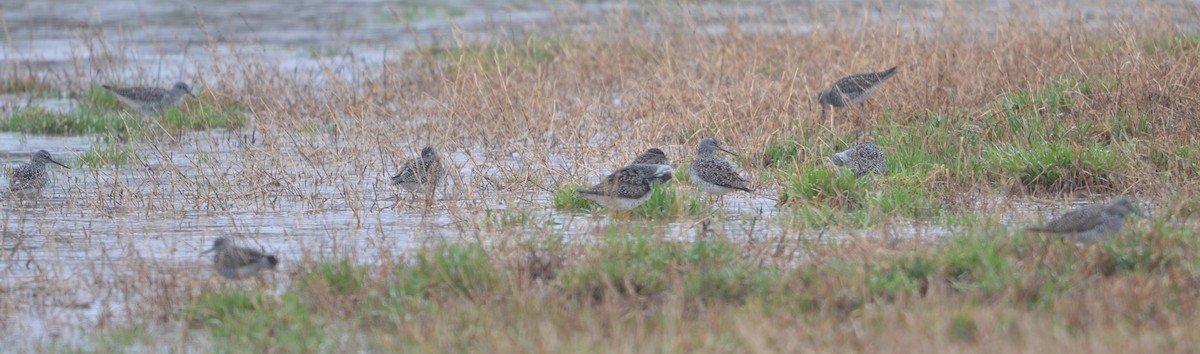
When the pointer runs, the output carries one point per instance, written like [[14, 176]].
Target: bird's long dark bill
[[56, 163], [191, 94], [208, 250], [726, 151]]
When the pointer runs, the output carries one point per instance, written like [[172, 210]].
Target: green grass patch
[[640, 267], [35, 120], [781, 153], [902, 275], [568, 199], [340, 278], [450, 270], [100, 155], [1056, 167], [670, 200], [458, 289], [502, 57], [1030, 115], [409, 11], [666, 201], [833, 187], [240, 321], [101, 113], [1172, 44]]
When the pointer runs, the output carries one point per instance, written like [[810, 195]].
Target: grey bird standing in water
[[713, 174], [28, 179], [422, 173], [628, 187], [853, 89], [234, 262], [151, 100], [866, 157], [1090, 224]]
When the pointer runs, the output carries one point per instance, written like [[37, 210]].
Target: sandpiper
[[713, 174], [853, 89], [1090, 224], [29, 178], [234, 262], [151, 100], [654, 156], [628, 187], [424, 172], [866, 157]]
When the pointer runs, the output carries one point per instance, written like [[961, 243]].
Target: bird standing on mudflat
[[28, 179], [233, 262], [151, 100], [1090, 224]]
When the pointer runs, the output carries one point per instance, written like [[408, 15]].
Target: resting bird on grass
[[654, 156], [1090, 224], [151, 100], [628, 187], [866, 157]]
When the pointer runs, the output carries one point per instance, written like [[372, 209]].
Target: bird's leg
[[1081, 252], [829, 115], [429, 199]]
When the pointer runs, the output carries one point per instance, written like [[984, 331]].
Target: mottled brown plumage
[[713, 174], [866, 157], [853, 89], [628, 187], [151, 100], [1090, 224]]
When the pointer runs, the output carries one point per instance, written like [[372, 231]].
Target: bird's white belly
[[617, 203]]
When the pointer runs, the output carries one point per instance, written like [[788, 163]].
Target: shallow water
[[85, 253]]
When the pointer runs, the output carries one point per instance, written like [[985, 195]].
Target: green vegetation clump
[[567, 199], [456, 286], [451, 270], [669, 200], [534, 51], [1172, 44], [101, 113], [242, 321], [107, 155]]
